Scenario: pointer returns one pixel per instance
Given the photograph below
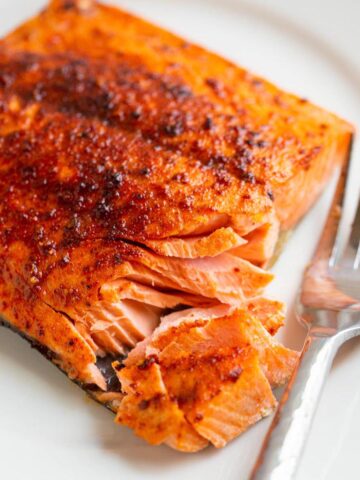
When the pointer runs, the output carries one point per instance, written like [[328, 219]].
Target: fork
[[329, 307]]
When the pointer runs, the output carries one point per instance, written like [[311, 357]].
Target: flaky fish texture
[[144, 182]]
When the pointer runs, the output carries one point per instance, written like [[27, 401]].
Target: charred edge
[[45, 351], [105, 366], [90, 389]]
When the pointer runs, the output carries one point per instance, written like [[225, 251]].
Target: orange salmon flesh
[[144, 183]]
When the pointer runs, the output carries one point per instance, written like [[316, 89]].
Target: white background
[[49, 430]]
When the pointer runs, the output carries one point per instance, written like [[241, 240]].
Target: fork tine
[[328, 245], [351, 255], [338, 256], [354, 239], [357, 258], [355, 232]]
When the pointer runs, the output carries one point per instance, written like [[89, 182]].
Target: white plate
[[49, 430]]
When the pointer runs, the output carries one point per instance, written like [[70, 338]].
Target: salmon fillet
[[144, 183], [219, 241], [218, 371]]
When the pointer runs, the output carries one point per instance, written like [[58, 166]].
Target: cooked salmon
[[217, 370], [144, 183], [219, 241]]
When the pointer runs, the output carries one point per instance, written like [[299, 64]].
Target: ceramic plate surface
[[49, 430]]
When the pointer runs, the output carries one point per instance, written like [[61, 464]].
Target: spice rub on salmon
[[144, 182], [202, 377]]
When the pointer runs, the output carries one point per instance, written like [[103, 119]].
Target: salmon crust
[[144, 183]]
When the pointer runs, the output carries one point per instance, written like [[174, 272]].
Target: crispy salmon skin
[[144, 183]]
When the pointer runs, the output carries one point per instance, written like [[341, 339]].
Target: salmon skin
[[144, 183]]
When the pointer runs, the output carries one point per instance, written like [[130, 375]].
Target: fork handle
[[285, 440]]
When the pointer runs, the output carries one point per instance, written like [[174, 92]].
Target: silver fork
[[329, 307]]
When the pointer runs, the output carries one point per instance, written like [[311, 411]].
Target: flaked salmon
[[218, 241], [218, 370], [144, 183]]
